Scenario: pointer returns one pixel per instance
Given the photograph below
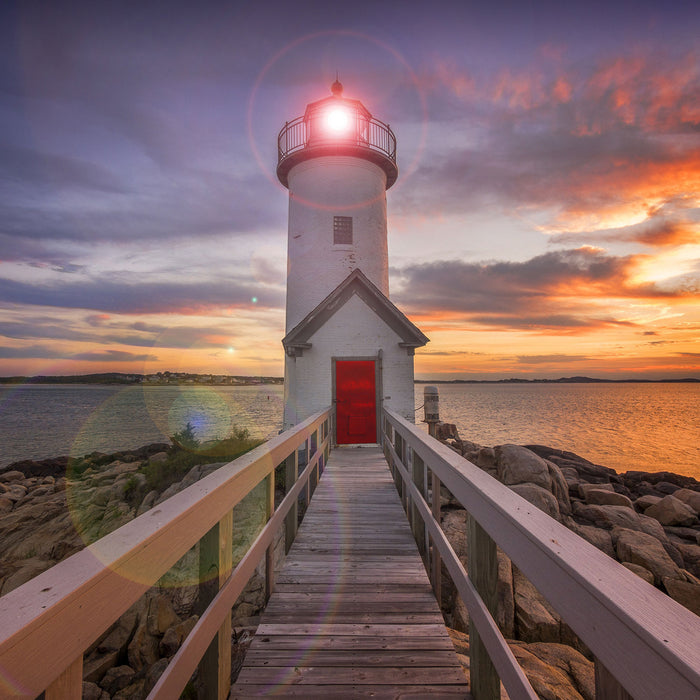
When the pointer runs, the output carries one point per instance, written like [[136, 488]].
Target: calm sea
[[650, 427]]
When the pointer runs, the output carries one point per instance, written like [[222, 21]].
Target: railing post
[[215, 564], [607, 686], [417, 522], [291, 466], [436, 559], [69, 685], [270, 551], [482, 568]]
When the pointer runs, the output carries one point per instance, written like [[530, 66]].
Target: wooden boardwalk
[[352, 614]]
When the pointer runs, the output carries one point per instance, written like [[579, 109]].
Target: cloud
[[556, 358], [113, 296], [550, 291], [113, 356]]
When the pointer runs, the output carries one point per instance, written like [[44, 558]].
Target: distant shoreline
[[186, 378]]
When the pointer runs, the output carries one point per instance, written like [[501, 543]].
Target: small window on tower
[[342, 230]]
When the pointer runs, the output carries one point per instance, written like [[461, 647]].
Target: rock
[[446, 431], [690, 498], [583, 489], [6, 504], [539, 497], [92, 691], [560, 487], [597, 537], [607, 498], [607, 516], [117, 679], [147, 502], [672, 511], [486, 459], [27, 570], [153, 674], [666, 487], [691, 557], [96, 665], [135, 691], [685, 593], [640, 571], [505, 613], [118, 639], [535, 620], [643, 502], [518, 465], [143, 648], [159, 457], [684, 533], [161, 616], [551, 682], [16, 492], [10, 476], [645, 550], [174, 636]]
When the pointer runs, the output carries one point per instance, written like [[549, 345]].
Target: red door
[[356, 402]]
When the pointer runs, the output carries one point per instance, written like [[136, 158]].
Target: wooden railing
[[646, 646], [48, 623]]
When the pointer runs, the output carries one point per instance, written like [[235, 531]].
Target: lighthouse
[[346, 343]]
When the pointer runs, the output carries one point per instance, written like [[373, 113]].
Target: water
[[649, 427], [39, 421], [646, 427]]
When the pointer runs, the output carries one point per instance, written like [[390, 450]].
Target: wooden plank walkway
[[352, 614]]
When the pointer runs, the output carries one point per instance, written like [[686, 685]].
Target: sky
[[545, 223]]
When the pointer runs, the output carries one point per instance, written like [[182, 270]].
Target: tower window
[[342, 230]]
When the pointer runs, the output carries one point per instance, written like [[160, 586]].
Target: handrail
[[645, 641], [373, 135], [89, 591]]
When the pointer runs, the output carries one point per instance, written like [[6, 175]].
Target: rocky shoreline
[[649, 522]]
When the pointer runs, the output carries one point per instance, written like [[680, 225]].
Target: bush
[[187, 452]]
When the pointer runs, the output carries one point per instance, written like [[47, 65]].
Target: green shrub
[[188, 451]]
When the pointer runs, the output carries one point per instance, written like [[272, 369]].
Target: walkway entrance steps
[[352, 614]]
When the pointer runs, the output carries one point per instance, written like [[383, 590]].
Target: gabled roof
[[355, 283]]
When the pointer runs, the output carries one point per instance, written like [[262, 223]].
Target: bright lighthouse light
[[337, 120]]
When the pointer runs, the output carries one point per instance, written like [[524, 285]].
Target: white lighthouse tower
[[345, 342]]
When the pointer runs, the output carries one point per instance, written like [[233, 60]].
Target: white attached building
[[346, 344]]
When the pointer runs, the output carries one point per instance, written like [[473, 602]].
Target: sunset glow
[[545, 221]]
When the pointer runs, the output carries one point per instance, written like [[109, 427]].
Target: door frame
[[378, 392]]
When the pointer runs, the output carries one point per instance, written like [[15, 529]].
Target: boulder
[[505, 613], [597, 537], [607, 516], [92, 691], [174, 636], [518, 465], [143, 648], [117, 679], [690, 498], [548, 678], [161, 616], [643, 502], [684, 592], [642, 549], [535, 620], [539, 497], [10, 476], [560, 487], [672, 511], [6, 504], [602, 497], [640, 571], [583, 489]]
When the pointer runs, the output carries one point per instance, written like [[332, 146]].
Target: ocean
[[647, 427]]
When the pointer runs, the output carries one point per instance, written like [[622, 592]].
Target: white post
[[431, 407]]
